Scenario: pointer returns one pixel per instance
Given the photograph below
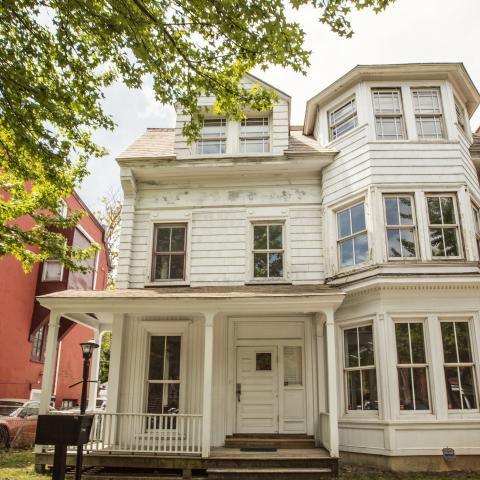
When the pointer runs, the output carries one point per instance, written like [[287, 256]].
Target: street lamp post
[[87, 351]]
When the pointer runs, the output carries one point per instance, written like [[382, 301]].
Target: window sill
[[269, 281], [167, 283]]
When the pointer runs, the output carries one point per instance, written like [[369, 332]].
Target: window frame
[[380, 115], [45, 269], [352, 235], [476, 225], [221, 138], [460, 116], [283, 250], [413, 226], [429, 114], [456, 226], [243, 137], [411, 366], [154, 253], [362, 411], [472, 364], [40, 358], [332, 125]]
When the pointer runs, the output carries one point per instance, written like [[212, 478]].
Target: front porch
[[256, 360]]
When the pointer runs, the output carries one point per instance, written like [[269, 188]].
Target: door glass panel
[[292, 366], [263, 361]]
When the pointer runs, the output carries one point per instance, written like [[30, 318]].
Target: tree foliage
[[57, 57], [105, 348]]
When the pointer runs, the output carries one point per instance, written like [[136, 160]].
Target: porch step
[[269, 473], [270, 441]]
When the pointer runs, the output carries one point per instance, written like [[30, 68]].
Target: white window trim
[[269, 138], [167, 218], [44, 271], [441, 114], [414, 225], [218, 138]]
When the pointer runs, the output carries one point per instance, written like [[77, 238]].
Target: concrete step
[[272, 442], [269, 473]]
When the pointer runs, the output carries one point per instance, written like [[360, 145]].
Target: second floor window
[[268, 251], [254, 135], [52, 271], [460, 113], [213, 137], [38, 340], [443, 225], [400, 226], [428, 113], [343, 119], [169, 252], [387, 106], [352, 236]]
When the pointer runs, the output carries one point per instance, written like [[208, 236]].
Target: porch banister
[[332, 382], [50, 363], [94, 369], [207, 385]]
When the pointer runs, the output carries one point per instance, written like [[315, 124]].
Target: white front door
[[257, 390]]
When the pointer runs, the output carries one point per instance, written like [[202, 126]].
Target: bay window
[[352, 236], [387, 106], [400, 226], [443, 225]]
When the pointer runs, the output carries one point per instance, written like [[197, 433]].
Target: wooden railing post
[[207, 385]]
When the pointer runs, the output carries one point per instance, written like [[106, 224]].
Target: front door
[[257, 390]]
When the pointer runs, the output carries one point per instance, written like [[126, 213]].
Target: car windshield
[[16, 412], [27, 409]]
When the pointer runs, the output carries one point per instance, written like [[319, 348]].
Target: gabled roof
[[154, 143], [455, 72]]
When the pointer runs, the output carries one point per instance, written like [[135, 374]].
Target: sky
[[408, 31]]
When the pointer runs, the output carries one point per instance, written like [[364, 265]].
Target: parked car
[[19, 427], [8, 405]]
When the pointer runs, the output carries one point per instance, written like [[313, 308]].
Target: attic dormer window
[[213, 136], [255, 135], [343, 119]]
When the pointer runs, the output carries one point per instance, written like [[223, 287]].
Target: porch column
[[50, 363], [115, 368], [332, 382], [207, 385], [94, 369]]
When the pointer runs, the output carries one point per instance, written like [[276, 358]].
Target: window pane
[[275, 236], [178, 239], [263, 361], [358, 218], [155, 398], [365, 339], [260, 237], [386, 102], [173, 398], [421, 388], [254, 146], [177, 263], [162, 267], [351, 348], [163, 239], [436, 240], [346, 253], [453, 388], [354, 391], [448, 340], [463, 342], [276, 264], [468, 387], [426, 101], [391, 211], [434, 213], [292, 364], [53, 271], [389, 128], [417, 342], [343, 220], [394, 245], [344, 127], [408, 242], [370, 399], [343, 111], [260, 265], [402, 340], [157, 358], [405, 389], [406, 215], [448, 210], [451, 247], [361, 248], [429, 127], [173, 358]]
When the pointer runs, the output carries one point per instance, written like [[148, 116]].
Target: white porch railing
[[144, 432]]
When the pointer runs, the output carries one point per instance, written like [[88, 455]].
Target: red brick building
[[23, 322]]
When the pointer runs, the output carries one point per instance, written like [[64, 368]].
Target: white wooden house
[[315, 284]]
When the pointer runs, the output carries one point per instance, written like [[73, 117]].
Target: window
[[412, 366], [268, 250], [263, 361], [67, 404], [164, 375], [37, 340], [343, 119], [254, 135], [460, 112], [400, 224], [169, 252], [387, 106], [352, 236], [213, 136], [292, 366], [52, 271], [360, 374], [443, 226], [428, 113], [62, 208], [458, 365], [476, 222]]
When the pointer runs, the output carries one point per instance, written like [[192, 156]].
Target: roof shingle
[[154, 143]]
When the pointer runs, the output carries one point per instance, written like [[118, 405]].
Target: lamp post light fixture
[[87, 351]]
